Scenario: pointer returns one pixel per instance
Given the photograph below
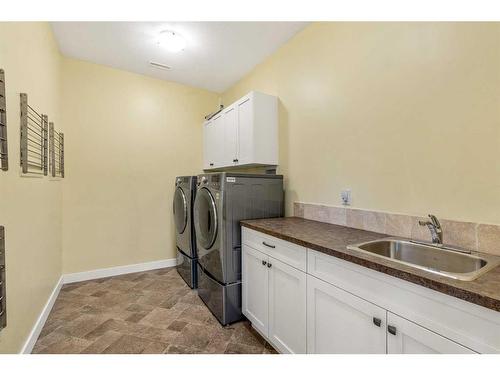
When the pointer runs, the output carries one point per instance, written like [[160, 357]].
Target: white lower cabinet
[[274, 300], [287, 307], [310, 302], [339, 322], [405, 337], [255, 292]]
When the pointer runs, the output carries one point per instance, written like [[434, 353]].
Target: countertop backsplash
[[474, 236]]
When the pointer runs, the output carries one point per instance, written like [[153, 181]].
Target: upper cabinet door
[[254, 283], [340, 323], [245, 130], [218, 141], [208, 145], [230, 116], [287, 307], [406, 337]]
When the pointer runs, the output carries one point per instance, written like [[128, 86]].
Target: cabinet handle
[[266, 244], [211, 164], [264, 262], [235, 160], [391, 330], [269, 265], [377, 321]]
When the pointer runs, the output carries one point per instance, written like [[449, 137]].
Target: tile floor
[[146, 312]]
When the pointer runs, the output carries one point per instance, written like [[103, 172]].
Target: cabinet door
[[208, 145], [287, 307], [245, 131], [405, 337], [339, 322], [255, 303], [217, 143], [230, 136]]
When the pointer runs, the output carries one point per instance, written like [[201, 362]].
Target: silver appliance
[[185, 192], [222, 201]]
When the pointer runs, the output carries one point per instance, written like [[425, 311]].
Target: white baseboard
[[84, 276], [115, 271], [37, 328]]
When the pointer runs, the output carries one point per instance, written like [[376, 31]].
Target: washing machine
[[185, 192], [222, 201]]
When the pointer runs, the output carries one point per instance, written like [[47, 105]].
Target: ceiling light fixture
[[171, 41]]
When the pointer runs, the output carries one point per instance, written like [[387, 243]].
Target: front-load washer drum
[[180, 210], [205, 218]]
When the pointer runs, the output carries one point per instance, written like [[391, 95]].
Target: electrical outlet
[[345, 195]]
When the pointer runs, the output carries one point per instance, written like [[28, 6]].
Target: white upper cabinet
[[243, 134], [218, 149], [213, 139], [230, 116], [208, 145]]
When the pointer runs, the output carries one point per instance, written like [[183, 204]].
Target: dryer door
[[180, 210], [205, 218]]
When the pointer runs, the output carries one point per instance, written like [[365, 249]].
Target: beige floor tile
[[102, 343], [195, 336], [147, 312], [127, 345]]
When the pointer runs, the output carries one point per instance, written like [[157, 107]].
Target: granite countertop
[[333, 240]]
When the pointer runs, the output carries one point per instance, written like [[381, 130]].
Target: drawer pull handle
[[266, 244], [264, 262], [269, 265], [377, 321], [392, 330]]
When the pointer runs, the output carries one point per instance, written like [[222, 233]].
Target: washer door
[[180, 210], [205, 218]]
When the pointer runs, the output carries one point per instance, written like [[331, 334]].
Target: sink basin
[[441, 260]]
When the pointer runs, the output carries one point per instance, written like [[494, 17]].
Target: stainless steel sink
[[445, 261]]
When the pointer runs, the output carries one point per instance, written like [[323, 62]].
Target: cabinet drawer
[[289, 253]]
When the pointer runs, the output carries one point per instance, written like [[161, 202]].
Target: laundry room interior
[[261, 187]]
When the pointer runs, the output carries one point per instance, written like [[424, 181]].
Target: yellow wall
[[30, 208], [128, 137], [407, 115]]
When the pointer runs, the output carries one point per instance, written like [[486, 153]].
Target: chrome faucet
[[435, 227]]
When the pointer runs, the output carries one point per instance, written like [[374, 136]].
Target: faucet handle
[[435, 221]]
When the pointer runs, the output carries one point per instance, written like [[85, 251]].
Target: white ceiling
[[217, 54]]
